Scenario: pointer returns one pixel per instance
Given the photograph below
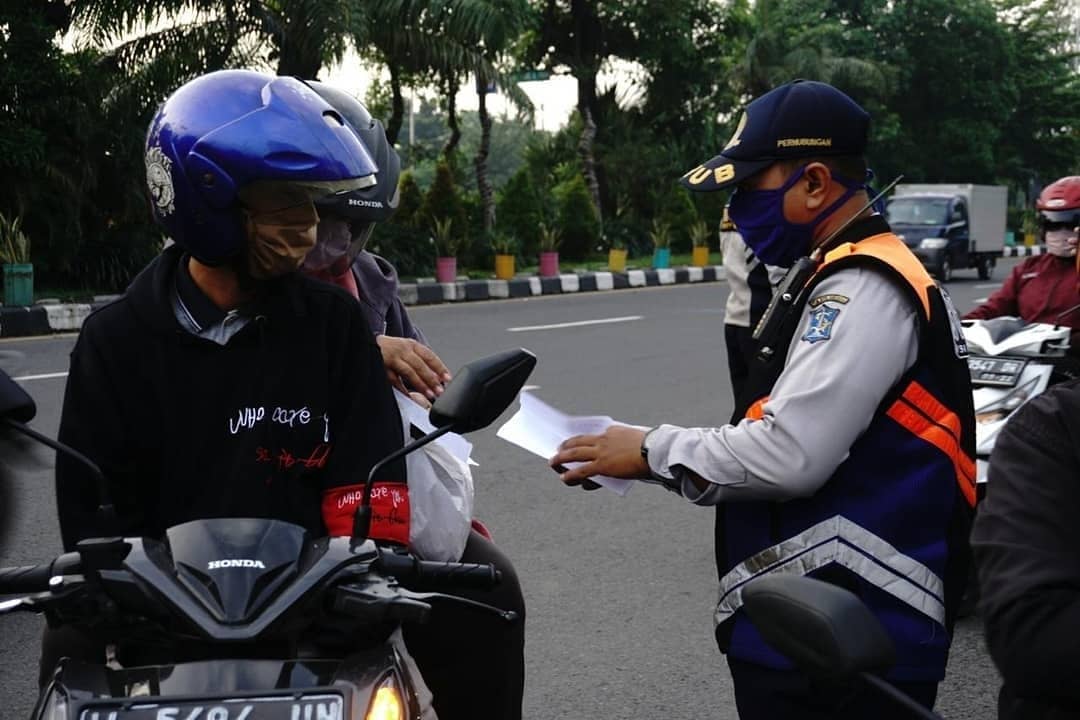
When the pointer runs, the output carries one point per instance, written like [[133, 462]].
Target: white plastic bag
[[440, 492]]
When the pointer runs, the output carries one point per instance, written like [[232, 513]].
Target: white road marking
[[579, 323], [526, 388], [990, 285], [47, 376], [980, 301]]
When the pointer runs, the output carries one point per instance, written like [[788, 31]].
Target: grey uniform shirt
[[858, 336], [739, 261]]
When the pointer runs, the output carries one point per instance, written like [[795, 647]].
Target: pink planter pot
[[549, 264], [446, 269]]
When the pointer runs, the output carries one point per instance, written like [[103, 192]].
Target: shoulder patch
[[833, 297], [960, 346], [821, 324]]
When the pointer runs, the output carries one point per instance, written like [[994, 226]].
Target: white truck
[[951, 226]]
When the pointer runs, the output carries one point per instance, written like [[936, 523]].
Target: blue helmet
[[224, 134]]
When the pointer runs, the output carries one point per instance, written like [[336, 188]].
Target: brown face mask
[[279, 240]]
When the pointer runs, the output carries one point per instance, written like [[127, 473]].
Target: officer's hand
[[413, 364], [616, 453]]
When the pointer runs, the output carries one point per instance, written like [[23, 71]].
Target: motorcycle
[[1011, 362], [251, 619]]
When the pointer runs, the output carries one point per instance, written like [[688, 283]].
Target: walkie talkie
[[794, 282]]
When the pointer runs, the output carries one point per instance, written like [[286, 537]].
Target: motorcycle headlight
[[386, 703], [933, 243]]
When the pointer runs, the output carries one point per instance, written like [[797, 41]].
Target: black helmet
[[356, 211], [370, 204]]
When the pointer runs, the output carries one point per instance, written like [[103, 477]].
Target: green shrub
[[519, 211], [677, 210], [578, 223], [408, 248], [410, 200], [443, 202]]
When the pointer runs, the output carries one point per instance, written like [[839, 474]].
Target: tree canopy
[[982, 91]]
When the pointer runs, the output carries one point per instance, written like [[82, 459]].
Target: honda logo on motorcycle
[[218, 564]]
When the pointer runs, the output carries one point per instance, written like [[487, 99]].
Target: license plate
[[310, 707], [1003, 372]]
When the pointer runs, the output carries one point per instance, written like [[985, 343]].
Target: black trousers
[[473, 662], [740, 347], [762, 693]]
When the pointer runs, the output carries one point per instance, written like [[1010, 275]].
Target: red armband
[[389, 510]]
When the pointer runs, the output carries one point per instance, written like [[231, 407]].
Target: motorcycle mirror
[[482, 390], [15, 403], [827, 631], [17, 408], [824, 629], [478, 394]]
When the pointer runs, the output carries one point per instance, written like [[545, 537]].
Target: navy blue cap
[[803, 118]]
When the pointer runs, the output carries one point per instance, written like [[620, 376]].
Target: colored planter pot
[[616, 260], [661, 258], [504, 267], [1029, 239], [700, 257], [446, 269], [18, 284], [549, 264]]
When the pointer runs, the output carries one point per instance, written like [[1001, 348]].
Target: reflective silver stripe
[[838, 540]]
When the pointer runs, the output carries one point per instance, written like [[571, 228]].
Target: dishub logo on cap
[[800, 119]]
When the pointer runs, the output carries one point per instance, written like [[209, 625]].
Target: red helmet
[[1059, 201]]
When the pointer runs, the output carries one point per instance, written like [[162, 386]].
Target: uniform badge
[[831, 297], [821, 324]]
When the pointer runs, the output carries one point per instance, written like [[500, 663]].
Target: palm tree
[[432, 38], [774, 57], [495, 41], [157, 45], [580, 34]]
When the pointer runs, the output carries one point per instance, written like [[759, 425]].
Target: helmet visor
[[266, 196], [339, 242], [1059, 218]]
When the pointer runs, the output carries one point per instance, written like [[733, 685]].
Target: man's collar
[[862, 228], [199, 308]]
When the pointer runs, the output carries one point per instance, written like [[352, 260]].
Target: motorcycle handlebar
[[35, 578], [26, 579], [436, 574]]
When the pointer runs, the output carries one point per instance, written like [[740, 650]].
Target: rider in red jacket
[[1044, 288]]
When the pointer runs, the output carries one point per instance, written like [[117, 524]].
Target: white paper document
[[540, 429]]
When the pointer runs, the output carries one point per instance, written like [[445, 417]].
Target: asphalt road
[[619, 590]]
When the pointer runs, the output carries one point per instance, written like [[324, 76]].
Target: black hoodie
[[377, 284], [1028, 557], [292, 405]]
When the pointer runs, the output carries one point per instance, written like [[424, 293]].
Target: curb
[[1023, 250], [432, 293], [50, 317]]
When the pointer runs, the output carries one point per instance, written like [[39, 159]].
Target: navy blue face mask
[[759, 217]]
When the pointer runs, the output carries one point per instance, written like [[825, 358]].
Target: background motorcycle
[[1011, 362], [250, 619]]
